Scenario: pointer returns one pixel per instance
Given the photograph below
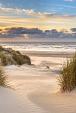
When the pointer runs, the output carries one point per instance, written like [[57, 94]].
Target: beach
[[37, 56], [35, 88]]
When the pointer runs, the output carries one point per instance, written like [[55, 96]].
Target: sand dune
[[36, 89], [56, 102], [26, 82]]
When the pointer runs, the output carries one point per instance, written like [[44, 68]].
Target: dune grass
[[67, 78], [9, 56], [2, 78]]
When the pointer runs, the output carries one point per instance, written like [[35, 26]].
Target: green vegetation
[[68, 79], [2, 78], [12, 57]]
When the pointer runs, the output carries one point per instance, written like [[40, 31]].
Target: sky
[[42, 14]]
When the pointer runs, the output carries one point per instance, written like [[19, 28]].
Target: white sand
[[55, 102], [26, 82], [36, 89], [9, 102]]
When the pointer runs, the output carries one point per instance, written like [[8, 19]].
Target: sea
[[41, 46]]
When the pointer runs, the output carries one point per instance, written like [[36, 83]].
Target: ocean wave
[[41, 47]]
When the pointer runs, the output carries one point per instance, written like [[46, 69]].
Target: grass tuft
[[67, 78], [2, 78]]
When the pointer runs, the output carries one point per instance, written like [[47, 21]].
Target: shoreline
[[48, 54], [36, 42]]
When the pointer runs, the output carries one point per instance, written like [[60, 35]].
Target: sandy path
[[55, 103], [27, 80], [36, 88]]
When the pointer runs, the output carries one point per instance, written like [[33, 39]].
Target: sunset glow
[[42, 14]]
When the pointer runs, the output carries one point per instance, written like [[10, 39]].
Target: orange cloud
[[43, 22]]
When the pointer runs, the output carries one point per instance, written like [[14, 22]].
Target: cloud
[[18, 31], [21, 32], [73, 29], [30, 13], [4, 10], [30, 18], [42, 22]]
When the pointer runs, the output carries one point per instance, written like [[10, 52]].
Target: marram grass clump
[[3, 78], [67, 78], [9, 56]]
